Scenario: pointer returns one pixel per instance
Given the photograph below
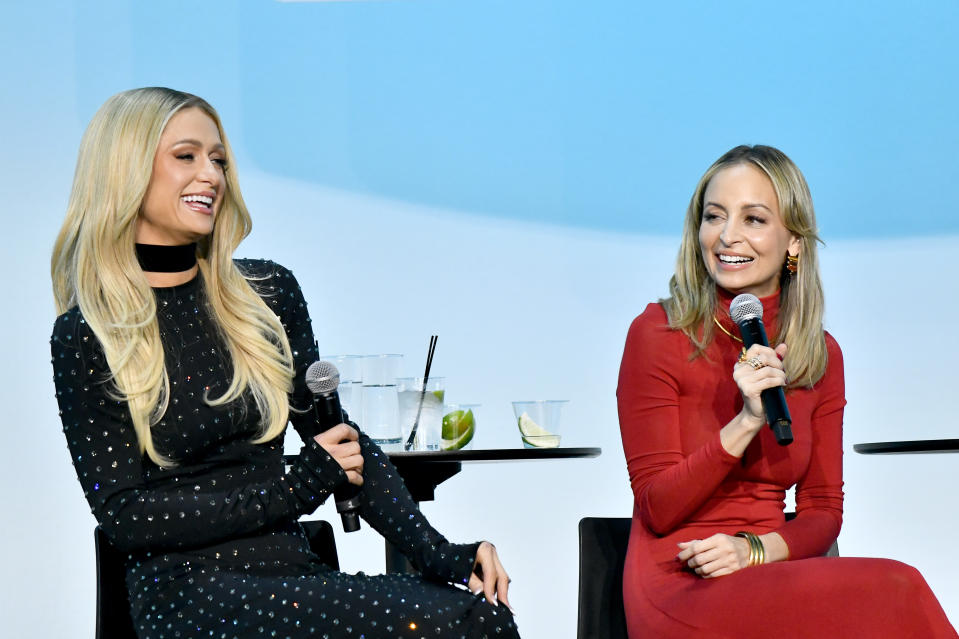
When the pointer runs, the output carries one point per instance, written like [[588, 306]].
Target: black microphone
[[322, 379], [747, 311]]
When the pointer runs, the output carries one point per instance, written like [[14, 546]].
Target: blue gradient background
[[511, 176]]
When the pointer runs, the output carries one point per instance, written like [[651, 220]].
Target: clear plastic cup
[[539, 422], [459, 422]]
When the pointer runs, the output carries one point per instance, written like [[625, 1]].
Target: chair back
[[322, 541], [113, 606], [602, 553]]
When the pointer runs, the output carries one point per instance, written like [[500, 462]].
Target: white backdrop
[[522, 311]]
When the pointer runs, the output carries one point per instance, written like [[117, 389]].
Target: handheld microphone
[[322, 379], [747, 311]]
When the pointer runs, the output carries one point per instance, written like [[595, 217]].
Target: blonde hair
[[94, 266], [692, 300]]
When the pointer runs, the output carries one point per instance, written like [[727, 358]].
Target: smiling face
[[187, 184], [742, 236]]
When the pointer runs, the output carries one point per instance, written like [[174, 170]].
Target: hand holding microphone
[[747, 311], [342, 443], [338, 439]]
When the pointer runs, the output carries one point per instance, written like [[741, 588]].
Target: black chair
[[602, 553], [113, 606]]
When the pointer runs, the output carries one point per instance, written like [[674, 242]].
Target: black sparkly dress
[[214, 547]]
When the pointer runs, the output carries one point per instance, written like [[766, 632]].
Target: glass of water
[[351, 379], [378, 401], [409, 392]]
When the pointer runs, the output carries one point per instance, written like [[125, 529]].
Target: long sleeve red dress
[[686, 486]]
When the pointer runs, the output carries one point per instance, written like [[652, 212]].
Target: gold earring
[[792, 263]]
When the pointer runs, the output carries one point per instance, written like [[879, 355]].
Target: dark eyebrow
[[216, 147]]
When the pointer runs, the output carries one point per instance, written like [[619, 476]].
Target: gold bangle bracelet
[[751, 560], [760, 550], [757, 552], [745, 535]]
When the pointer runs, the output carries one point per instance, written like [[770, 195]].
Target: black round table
[[423, 471], [908, 447]]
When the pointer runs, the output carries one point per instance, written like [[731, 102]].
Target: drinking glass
[[459, 427], [378, 400], [539, 422], [351, 380], [409, 393]]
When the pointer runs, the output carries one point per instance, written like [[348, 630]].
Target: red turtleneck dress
[[686, 486]]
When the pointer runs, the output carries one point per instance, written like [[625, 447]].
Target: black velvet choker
[[166, 259]]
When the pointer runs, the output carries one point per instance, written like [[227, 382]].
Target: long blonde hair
[[692, 300], [94, 266]]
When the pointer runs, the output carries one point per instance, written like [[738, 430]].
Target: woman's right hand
[[343, 445], [752, 381], [714, 556]]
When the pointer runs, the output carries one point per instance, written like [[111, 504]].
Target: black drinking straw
[[426, 378]]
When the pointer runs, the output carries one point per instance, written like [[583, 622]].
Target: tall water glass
[[379, 400], [410, 394], [351, 380]]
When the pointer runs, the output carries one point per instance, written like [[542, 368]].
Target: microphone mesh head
[[322, 377], [745, 307]]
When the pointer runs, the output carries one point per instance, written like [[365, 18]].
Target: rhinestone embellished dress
[[214, 547]]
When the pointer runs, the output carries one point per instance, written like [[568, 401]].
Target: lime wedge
[[534, 435], [541, 441], [458, 429], [459, 443], [440, 394], [529, 428], [456, 423]]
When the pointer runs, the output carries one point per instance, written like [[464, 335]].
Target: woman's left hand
[[488, 576], [715, 556]]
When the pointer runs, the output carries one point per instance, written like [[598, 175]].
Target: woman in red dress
[[710, 552]]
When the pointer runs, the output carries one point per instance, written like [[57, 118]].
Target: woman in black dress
[[177, 369]]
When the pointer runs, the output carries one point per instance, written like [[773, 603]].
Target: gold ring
[[755, 362]]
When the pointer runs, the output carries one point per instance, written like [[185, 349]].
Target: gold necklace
[[723, 329]]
